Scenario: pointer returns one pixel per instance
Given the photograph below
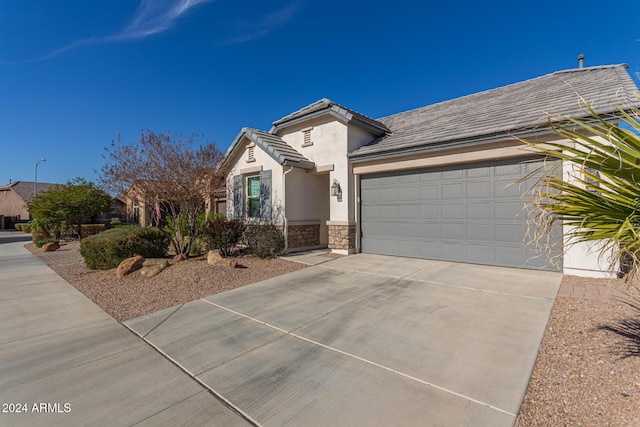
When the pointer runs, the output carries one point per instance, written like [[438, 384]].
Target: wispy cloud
[[252, 30], [155, 16], [151, 17]]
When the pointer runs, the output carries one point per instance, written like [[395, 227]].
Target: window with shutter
[[253, 197]]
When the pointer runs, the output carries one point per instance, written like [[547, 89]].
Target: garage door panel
[[428, 177], [479, 254], [407, 179], [453, 210], [430, 231], [453, 251], [430, 211], [478, 190], [510, 210], [479, 210], [407, 248], [407, 230], [406, 194], [452, 191], [507, 189], [510, 233], [370, 194], [407, 211], [454, 231], [478, 173], [509, 255], [428, 192], [510, 170], [469, 213], [369, 212], [388, 195], [387, 212], [452, 174], [479, 232], [430, 250]]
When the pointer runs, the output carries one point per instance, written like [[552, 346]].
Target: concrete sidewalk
[[64, 361]]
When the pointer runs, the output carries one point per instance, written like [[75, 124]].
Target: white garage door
[[468, 213]]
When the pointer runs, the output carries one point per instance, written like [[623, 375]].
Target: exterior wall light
[[335, 189]]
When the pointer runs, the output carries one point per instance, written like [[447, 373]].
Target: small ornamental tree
[[171, 173], [72, 204]]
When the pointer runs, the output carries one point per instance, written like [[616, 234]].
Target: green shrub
[[91, 229], [265, 241], [71, 233], [109, 248], [26, 227], [196, 248], [18, 226], [223, 234], [41, 243], [117, 223], [120, 225]]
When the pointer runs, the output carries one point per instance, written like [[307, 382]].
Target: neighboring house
[[118, 210], [14, 198], [437, 182], [139, 209]]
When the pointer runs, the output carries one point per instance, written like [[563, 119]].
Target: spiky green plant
[[600, 202]]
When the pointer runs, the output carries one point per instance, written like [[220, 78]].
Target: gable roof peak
[[326, 106], [272, 144]]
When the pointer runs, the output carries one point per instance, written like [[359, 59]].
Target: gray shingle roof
[[24, 189], [326, 105], [505, 110], [275, 146]]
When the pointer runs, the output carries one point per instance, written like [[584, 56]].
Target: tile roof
[[327, 105], [505, 110], [24, 189], [275, 146]]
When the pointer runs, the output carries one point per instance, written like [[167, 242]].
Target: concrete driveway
[[366, 340]]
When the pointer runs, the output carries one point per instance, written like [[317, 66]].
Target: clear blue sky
[[75, 74]]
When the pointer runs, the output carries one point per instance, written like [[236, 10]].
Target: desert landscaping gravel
[[134, 295], [587, 372]]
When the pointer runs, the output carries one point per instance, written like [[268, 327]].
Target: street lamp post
[[35, 182]]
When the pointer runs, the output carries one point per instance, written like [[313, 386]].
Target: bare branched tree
[[170, 172]]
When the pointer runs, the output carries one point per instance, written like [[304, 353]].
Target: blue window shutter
[[238, 196], [265, 195]]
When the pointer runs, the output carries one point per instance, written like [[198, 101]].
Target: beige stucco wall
[[585, 259], [12, 205], [263, 161], [332, 140], [329, 138], [307, 200]]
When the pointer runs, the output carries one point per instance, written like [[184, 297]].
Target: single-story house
[[144, 210], [437, 182], [14, 198]]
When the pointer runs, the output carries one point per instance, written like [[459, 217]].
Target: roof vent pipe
[[581, 60]]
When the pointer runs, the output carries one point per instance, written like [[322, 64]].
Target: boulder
[[151, 267], [129, 265], [50, 247], [214, 258]]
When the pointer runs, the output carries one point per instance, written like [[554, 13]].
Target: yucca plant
[[601, 200]]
